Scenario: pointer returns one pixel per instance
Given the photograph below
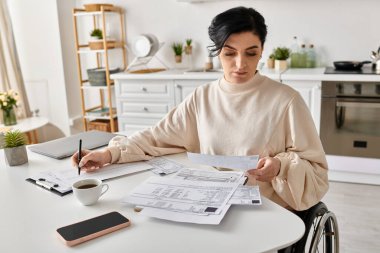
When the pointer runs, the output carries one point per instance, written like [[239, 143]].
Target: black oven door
[[351, 126]]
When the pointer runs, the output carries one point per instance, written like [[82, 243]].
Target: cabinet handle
[[145, 109], [178, 86], [143, 89]]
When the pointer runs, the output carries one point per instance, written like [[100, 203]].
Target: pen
[[79, 155], [245, 181]]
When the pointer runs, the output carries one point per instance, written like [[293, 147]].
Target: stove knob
[[378, 89], [358, 88]]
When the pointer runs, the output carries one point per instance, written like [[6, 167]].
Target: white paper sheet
[[66, 177], [184, 217], [246, 195], [209, 175], [180, 195], [162, 166], [231, 162], [243, 195]]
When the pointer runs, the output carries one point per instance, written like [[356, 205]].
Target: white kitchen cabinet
[[310, 91], [141, 103]]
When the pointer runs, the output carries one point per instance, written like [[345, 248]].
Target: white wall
[[66, 29], [340, 29], [36, 31]]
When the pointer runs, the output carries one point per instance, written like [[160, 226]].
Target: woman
[[243, 113]]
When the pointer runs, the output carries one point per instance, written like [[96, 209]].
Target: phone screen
[[91, 226]]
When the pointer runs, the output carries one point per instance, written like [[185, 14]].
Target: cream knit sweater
[[260, 116]]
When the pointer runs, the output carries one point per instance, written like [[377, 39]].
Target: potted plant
[[96, 41], [188, 47], [270, 61], [178, 49], [14, 148], [281, 54], [96, 34]]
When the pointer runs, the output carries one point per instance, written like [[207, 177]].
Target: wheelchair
[[321, 231]]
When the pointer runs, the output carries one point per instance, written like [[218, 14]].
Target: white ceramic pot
[[16, 156], [280, 65]]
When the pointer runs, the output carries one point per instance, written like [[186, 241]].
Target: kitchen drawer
[[145, 89], [145, 109]]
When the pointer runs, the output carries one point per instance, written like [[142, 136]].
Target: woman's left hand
[[267, 169]]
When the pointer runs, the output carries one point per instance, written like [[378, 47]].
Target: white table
[[29, 216], [29, 126]]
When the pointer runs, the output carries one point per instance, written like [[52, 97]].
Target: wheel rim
[[325, 234]]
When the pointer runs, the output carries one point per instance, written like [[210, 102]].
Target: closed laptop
[[67, 146]]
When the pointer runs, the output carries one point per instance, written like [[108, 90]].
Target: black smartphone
[[89, 229]]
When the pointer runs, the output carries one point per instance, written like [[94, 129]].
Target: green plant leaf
[[177, 48], [14, 138], [281, 53], [97, 33], [188, 42]]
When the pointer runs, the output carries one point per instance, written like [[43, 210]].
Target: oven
[[350, 118]]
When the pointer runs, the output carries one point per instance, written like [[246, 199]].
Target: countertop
[[317, 74], [309, 74], [181, 74]]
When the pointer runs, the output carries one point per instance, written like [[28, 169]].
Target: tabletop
[[28, 124], [30, 215]]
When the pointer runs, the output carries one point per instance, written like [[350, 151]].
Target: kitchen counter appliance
[[350, 118], [364, 70], [350, 65]]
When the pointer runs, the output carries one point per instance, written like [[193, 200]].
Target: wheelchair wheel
[[325, 236], [321, 231]]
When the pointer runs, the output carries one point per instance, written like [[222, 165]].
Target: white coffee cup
[[88, 191]]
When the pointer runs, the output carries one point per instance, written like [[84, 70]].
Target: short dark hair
[[235, 20]]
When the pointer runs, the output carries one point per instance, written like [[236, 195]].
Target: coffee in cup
[[88, 191]]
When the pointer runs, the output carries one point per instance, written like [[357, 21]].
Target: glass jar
[[311, 57], [295, 53], [9, 117]]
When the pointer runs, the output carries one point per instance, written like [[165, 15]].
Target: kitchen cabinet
[[142, 103]]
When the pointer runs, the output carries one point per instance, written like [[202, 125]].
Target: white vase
[[16, 156]]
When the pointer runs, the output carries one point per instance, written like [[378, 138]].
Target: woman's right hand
[[92, 160]]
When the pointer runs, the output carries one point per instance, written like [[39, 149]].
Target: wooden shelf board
[[99, 117], [87, 86], [89, 51], [114, 10]]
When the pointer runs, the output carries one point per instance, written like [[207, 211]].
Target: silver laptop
[[67, 146]]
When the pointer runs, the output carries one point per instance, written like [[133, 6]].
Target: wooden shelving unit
[[99, 19]]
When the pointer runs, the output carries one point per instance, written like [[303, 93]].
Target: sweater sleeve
[[302, 180], [175, 133]]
